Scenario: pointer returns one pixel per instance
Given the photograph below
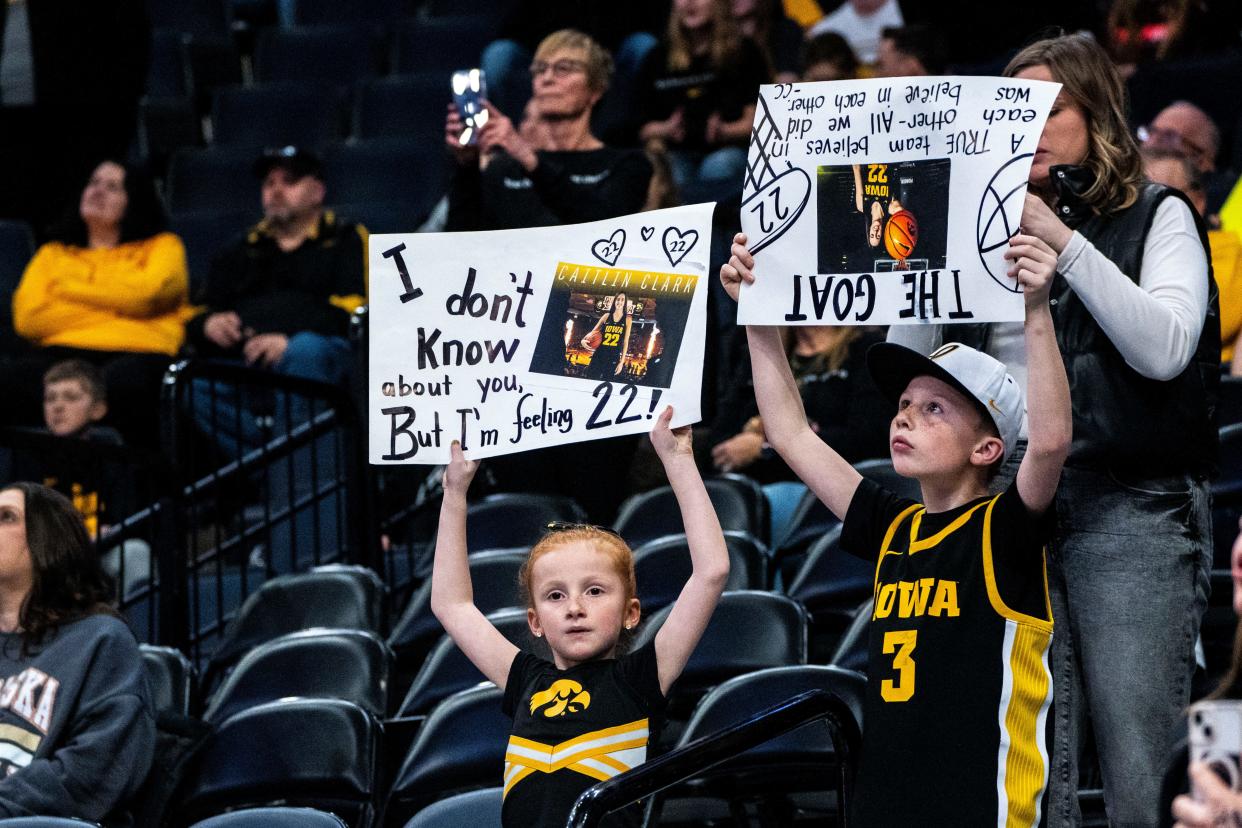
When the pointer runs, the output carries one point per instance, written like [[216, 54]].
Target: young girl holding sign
[[579, 583]]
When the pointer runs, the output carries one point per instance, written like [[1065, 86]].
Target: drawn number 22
[[678, 246], [901, 641], [629, 391]]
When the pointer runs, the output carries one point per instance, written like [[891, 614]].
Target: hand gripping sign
[[889, 201], [511, 340]]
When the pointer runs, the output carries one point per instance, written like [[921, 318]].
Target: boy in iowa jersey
[[959, 688]]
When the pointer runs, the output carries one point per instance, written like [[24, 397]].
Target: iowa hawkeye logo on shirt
[[564, 696], [912, 599]]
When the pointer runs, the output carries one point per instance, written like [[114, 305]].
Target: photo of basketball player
[[609, 340], [883, 217]]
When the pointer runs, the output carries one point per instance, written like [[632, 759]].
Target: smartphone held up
[[469, 93]]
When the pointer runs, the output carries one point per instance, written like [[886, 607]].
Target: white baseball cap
[[977, 375]]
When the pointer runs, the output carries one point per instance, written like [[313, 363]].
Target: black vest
[[1124, 421]]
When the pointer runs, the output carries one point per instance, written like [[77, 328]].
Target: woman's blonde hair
[[611, 544], [726, 40], [598, 62], [1087, 75]]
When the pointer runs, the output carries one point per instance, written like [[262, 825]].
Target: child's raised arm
[[688, 619], [452, 597], [816, 463], [1049, 421]]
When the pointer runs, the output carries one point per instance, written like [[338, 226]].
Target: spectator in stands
[[80, 731], [861, 22], [1180, 172], [779, 38], [911, 51], [623, 29], [700, 86], [280, 296], [843, 405], [828, 57], [1136, 321], [1185, 128], [75, 400], [552, 172], [109, 289]]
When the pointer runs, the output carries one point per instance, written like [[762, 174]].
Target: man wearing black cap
[[280, 296]]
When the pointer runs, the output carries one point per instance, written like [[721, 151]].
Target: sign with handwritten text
[[511, 340], [888, 201]]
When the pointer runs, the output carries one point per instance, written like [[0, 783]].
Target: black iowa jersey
[[573, 728], [958, 689], [608, 353]]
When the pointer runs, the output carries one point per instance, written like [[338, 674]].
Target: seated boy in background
[[959, 687], [75, 400]]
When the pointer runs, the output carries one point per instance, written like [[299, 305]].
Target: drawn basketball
[[1000, 212], [592, 340], [901, 234]]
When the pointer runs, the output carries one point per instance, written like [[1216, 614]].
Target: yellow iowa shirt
[[132, 297]]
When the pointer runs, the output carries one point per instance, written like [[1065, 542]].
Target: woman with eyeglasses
[[553, 169]]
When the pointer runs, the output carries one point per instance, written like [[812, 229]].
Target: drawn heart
[[647, 233], [772, 209], [609, 250], [677, 244]]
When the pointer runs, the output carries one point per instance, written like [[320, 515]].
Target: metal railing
[[685, 763]]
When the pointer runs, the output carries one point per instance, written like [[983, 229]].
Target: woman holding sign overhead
[[1136, 318]]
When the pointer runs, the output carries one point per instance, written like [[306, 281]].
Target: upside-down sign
[[883, 202]]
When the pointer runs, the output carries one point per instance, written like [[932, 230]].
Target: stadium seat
[[166, 125], [195, 17], [274, 818], [851, 650], [466, 8], [662, 567], [346, 597], [1227, 495], [16, 248], [206, 232], [336, 56], [214, 179], [336, 13], [391, 170], [213, 62], [802, 761], [740, 506], [44, 822], [750, 630], [447, 670], [1229, 403], [830, 584], [382, 216], [473, 809], [320, 753], [274, 115], [494, 579], [168, 73], [170, 676], [324, 664], [445, 43], [461, 746], [505, 521], [410, 106]]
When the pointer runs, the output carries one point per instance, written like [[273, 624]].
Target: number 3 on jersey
[[901, 641]]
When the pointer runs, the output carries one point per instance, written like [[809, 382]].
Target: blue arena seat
[[447, 670], [275, 115], [353, 13], [461, 746], [328, 55], [16, 248], [851, 649], [662, 567], [168, 73], [504, 521], [739, 503], [319, 663], [274, 818], [473, 809], [171, 678], [410, 106], [216, 179], [206, 232], [388, 170], [830, 584], [321, 753], [448, 43]]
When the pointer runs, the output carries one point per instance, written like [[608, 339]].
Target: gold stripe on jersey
[[917, 545], [600, 754], [989, 576], [1022, 755], [886, 543]]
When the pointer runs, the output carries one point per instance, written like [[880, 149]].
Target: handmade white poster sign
[[888, 201], [512, 340]]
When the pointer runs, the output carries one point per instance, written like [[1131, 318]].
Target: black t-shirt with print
[[573, 728]]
